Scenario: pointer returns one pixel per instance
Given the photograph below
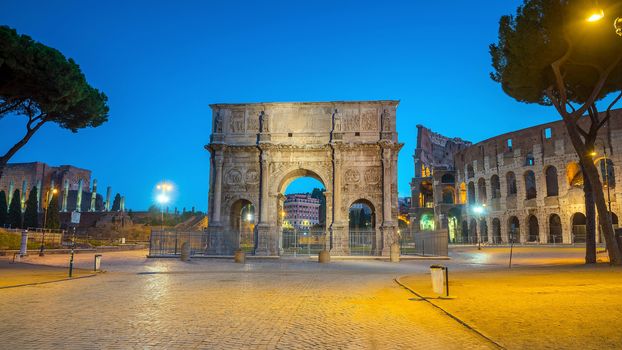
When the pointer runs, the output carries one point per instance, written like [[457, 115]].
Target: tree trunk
[[604, 219], [591, 174], [590, 215]]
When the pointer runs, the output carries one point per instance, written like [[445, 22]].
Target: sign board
[[75, 217]]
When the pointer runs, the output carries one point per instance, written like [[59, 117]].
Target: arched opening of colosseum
[[448, 179], [495, 186], [607, 172], [453, 221], [483, 230], [464, 232], [470, 171], [552, 185], [555, 229], [448, 194], [514, 229], [300, 222], [481, 191], [510, 179], [243, 219], [427, 222], [362, 228], [496, 230], [463, 193], [530, 185], [534, 229], [574, 175], [426, 195], [530, 160], [473, 231], [471, 192], [578, 227]]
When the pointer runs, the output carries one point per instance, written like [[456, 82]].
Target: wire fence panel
[[362, 242], [169, 243], [303, 241]]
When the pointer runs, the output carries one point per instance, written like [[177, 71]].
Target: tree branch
[[608, 112], [11, 152]]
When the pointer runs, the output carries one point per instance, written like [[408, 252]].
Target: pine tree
[[31, 215], [53, 217], [15, 211], [116, 204], [3, 209]]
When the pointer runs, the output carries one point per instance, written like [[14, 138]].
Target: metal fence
[[362, 242], [169, 242], [303, 241]]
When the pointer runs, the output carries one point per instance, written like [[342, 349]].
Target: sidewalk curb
[[455, 318], [46, 282]]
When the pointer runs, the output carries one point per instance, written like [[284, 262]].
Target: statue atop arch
[[350, 147]]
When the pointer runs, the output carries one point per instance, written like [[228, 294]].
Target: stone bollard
[[395, 253], [185, 251], [324, 256], [239, 257]]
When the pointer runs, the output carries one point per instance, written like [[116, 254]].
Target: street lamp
[[163, 198], [597, 13], [45, 216]]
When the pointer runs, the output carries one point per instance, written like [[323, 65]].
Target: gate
[[168, 242]]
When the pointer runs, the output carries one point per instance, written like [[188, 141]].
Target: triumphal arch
[[257, 149]]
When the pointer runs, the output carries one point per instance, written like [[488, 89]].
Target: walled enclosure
[[258, 149], [531, 183]]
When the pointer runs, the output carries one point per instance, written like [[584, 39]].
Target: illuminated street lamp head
[[595, 14], [54, 191], [162, 198], [593, 153], [478, 209], [249, 217]]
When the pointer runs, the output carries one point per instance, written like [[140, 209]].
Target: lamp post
[[45, 216], [163, 189]]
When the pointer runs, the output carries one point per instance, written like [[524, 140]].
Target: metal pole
[[446, 281], [511, 248], [73, 244]]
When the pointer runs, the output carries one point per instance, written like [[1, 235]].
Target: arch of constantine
[[258, 149]]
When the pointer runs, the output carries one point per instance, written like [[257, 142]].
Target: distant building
[[433, 187], [73, 185], [301, 210]]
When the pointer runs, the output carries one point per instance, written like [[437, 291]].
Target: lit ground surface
[[19, 274], [214, 304]]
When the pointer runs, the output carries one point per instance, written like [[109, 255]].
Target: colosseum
[[525, 186]]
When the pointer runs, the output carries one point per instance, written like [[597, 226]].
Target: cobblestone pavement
[[215, 304]]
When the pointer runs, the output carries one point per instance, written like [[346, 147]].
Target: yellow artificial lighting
[[54, 191], [593, 154], [596, 15]]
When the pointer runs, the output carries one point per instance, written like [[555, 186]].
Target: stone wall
[[530, 154]]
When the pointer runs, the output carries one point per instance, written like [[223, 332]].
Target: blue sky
[[162, 63]]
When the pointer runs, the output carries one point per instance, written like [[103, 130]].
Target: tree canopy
[[53, 215], [38, 82], [3, 209], [15, 211], [31, 214], [550, 39]]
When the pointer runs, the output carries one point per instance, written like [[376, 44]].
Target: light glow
[[162, 198], [596, 15]]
